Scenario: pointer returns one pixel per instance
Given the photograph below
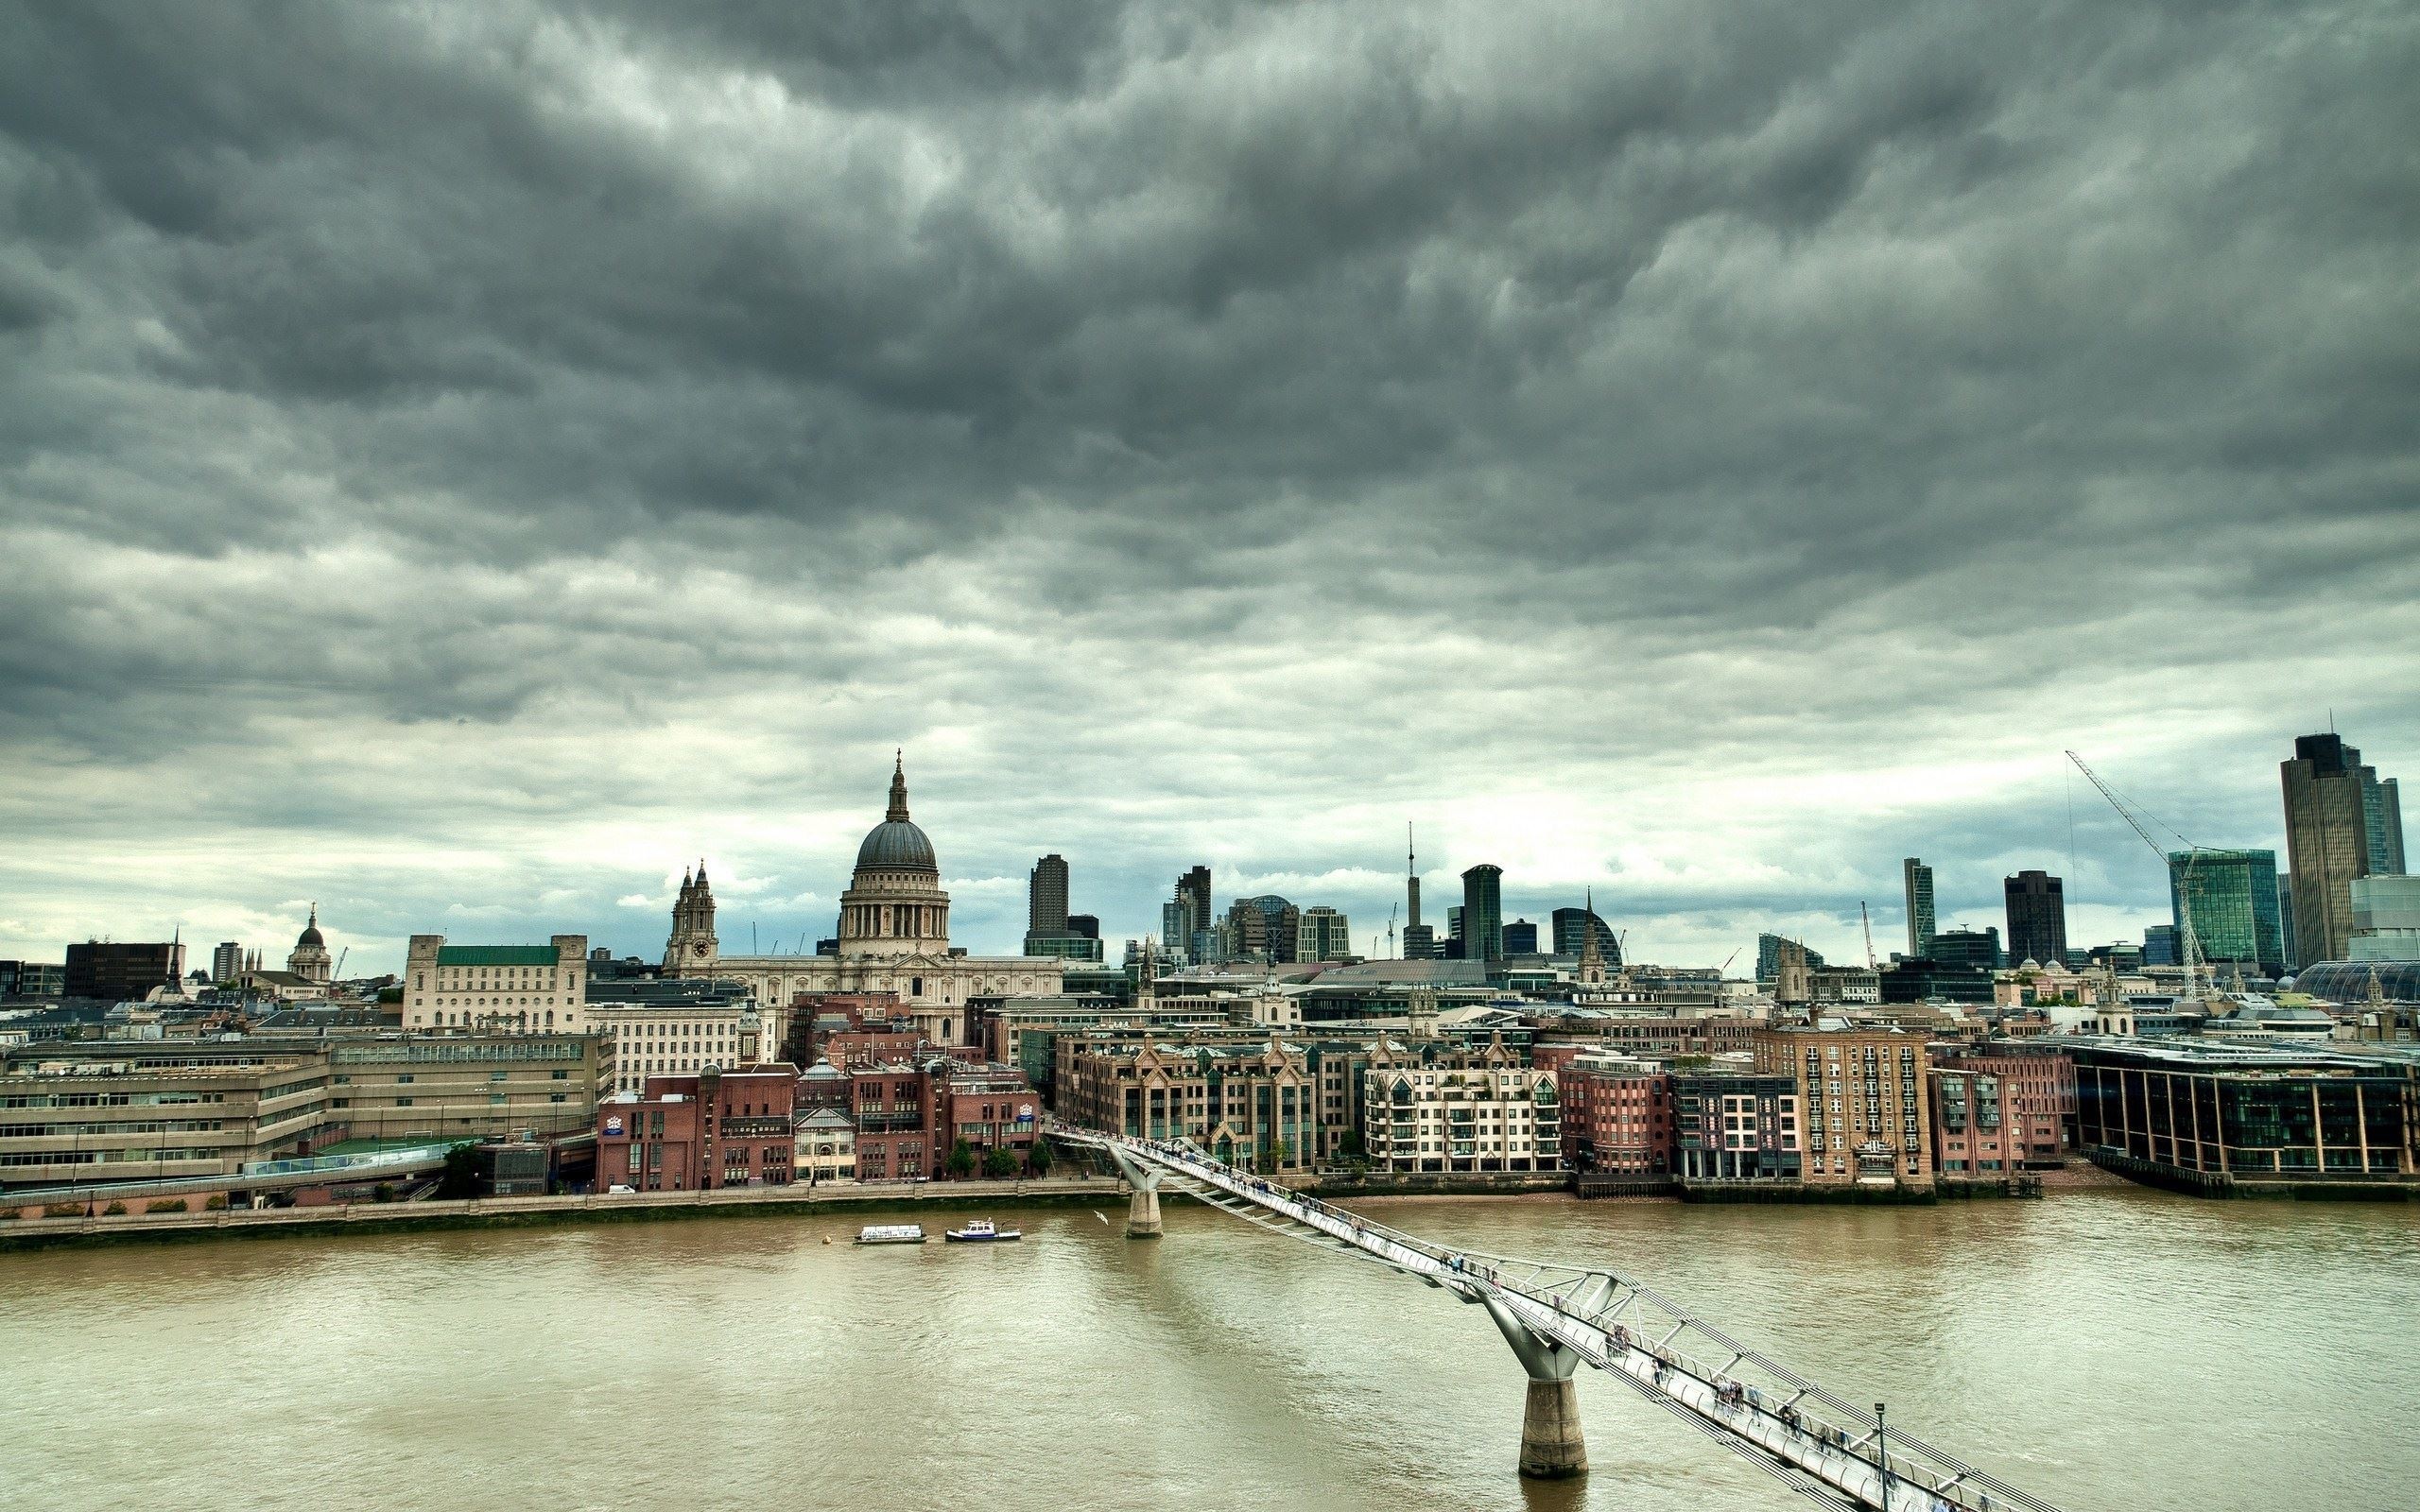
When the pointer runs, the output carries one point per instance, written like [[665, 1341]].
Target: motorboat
[[892, 1233], [981, 1231]]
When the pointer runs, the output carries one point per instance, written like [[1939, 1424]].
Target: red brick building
[[1617, 1116], [710, 1129], [892, 1107], [2040, 1087], [990, 1107]]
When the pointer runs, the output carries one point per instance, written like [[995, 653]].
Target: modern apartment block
[[1469, 1111], [2205, 1112]]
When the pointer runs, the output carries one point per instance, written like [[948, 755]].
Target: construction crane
[[1391, 930], [2189, 943], [1867, 920], [338, 973], [1719, 970]]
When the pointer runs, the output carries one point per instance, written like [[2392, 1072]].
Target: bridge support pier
[[1143, 1207], [1552, 1447]]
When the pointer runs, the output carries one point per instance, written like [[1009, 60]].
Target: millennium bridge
[[1558, 1317]]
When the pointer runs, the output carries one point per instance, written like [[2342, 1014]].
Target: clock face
[[697, 948]]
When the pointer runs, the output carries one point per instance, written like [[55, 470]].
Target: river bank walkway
[[472, 1212]]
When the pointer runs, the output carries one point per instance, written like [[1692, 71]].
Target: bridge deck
[[1816, 1443]]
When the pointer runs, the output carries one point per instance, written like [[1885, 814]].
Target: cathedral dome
[[897, 843], [310, 934]]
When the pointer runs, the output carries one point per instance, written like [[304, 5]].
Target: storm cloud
[[461, 462]]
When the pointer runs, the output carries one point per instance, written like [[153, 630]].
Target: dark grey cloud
[[474, 456]]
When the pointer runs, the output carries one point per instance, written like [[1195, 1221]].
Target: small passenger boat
[[981, 1231], [892, 1233]]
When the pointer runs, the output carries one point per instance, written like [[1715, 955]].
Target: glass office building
[[2233, 895]]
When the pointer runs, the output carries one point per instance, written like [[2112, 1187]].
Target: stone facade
[[526, 989]]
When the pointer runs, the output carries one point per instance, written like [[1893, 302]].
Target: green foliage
[[462, 1177], [115, 1209], [383, 1192], [62, 1210], [962, 1159], [1350, 1149], [1038, 1160], [167, 1204], [999, 1164], [1279, 1153], [214, 1205]]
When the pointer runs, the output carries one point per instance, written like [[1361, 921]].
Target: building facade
[[2231, 897], [709, 1132], [1482, 932], [1916, 880], [2037, 917], [523, 988], [309, 959], [1467, 1112], [2327, 842], [1730, 1128], [1862, 1096], [121, 970], [1616, 1115], [1323, 935]]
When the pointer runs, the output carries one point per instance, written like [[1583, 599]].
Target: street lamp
[[1882, 1455]]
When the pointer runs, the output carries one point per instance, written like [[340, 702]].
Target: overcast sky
[[460, 463]]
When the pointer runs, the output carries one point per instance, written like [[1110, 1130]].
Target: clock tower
[[693, 946]]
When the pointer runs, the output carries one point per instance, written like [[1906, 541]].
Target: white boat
[[892, 1233], [981, 1231]]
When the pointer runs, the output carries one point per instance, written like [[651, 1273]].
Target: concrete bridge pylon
[[1143, 1206], [1552, 1448]]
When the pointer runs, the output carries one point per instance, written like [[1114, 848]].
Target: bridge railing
[[1753, 1402]]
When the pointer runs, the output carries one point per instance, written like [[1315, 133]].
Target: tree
[[1038, 1158], [962, 1159], [999, 1164], [1279, 1153], [462, 1177]]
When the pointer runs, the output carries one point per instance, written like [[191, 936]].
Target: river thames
[[2119, 1349]]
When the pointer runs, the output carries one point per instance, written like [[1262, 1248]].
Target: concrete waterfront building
[[2037, 917], [520, 988], [309, 959], [2328, 840], [1323, 935], [122, 970], [148, 1110], [2232, 896], [893, 938], [1461, 1113], [1862, 1093], [1482, 931], [1917, 878]]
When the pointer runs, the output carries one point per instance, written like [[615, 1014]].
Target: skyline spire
[[897, 812]]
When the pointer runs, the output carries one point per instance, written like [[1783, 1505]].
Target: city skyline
[[991, 913], [461, 463]]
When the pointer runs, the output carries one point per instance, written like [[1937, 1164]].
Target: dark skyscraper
[[1572, 927], [1193, 900], [1917, 878], [1483, 913], [2327, 795], [2037, 917], [1520, 937], [1978, 949], [1046, 896]]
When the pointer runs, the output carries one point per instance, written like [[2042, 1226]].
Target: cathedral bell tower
[[693, 949]]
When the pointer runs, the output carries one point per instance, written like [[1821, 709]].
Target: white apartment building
[[670, 1038], [1462, 1112]]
